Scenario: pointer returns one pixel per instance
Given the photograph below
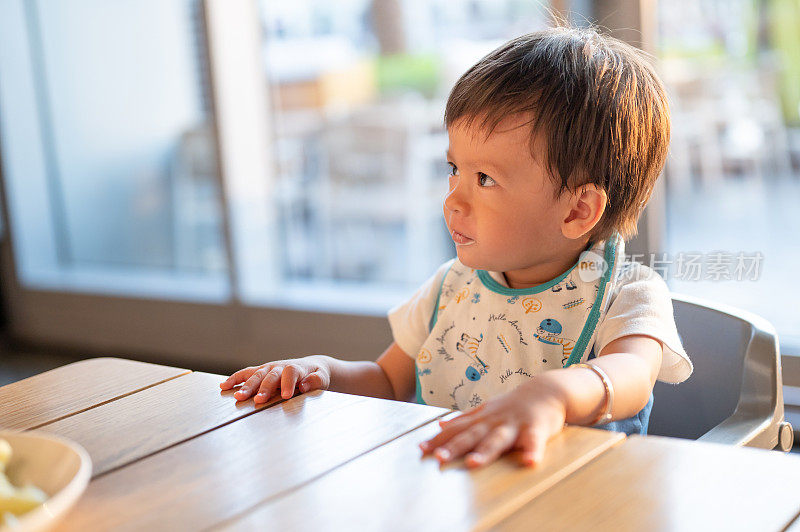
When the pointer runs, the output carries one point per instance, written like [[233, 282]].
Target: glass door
[[115, 239], [109, 151]]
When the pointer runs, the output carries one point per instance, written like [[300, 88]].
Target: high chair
[[735, 395]]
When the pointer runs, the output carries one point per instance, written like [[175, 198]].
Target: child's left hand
[[524, 418]]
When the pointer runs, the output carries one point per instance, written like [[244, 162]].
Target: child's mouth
[[461, 240]]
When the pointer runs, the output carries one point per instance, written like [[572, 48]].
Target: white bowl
[[59, 467]]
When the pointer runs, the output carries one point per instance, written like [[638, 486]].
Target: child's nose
[[455, 199]]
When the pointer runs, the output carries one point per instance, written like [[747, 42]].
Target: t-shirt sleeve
[[641, 304], [410, 320]]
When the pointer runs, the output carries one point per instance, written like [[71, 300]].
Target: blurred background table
[[169, 449]]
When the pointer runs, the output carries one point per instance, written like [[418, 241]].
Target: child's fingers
[[238, 377], [498, 441], [315, 380], [269, 384], [440, 439], [291, 374], [250, 385], [460, 443], [463, 420], [533, 444]]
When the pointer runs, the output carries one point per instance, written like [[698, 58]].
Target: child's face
[[501, 208]]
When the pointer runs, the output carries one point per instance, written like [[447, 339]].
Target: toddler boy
[[556, 140]]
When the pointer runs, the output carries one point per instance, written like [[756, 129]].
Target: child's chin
[[469, 260]]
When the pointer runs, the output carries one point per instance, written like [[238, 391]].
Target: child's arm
[[632, 364], [391, 377], [526, 417]]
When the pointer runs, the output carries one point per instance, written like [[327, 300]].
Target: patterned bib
[[486, 339]]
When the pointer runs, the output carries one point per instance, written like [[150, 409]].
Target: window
[[357, 92], [732, 174], [176, 183], [108, 148]]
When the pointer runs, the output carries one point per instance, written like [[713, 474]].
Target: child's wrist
[[549, 386], [327, 362]]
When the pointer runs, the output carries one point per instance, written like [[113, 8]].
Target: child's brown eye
[[453, 169], [485, 181]]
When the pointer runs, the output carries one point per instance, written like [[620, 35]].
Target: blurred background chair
[[735, 395]]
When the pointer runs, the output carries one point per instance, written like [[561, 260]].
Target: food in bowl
[[15, 501]]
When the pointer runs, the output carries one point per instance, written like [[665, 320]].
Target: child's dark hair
[[596, 100]]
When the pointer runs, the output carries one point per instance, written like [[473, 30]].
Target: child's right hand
[[308, 373]]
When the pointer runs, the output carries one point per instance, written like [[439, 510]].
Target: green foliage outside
[[785, 32], [402, 72]]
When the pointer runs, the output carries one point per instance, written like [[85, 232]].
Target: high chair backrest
[[735, 394]]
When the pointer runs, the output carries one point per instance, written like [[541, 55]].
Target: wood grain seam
[[40, 425], [181, 442], [288, 491], [791, 522], [494, 517], [226, 423]]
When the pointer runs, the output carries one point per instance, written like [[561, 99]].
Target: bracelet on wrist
[[605, 414]]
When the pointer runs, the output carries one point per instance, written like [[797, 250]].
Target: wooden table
[[170, 450]]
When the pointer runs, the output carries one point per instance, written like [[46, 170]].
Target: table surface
[[169, 449]]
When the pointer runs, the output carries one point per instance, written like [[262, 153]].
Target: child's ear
[[585, 208]]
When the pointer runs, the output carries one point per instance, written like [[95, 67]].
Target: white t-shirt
[[638, 302]]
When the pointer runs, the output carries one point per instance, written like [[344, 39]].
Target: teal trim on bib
[[594, 315], [494, 286], [420, 400], [434, 317]]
